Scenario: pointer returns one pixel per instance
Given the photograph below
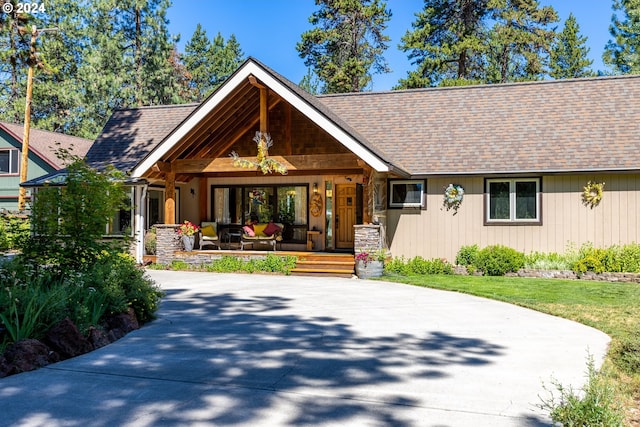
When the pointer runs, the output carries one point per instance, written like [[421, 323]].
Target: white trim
[[512, 200], [251, 68], [140, 219]]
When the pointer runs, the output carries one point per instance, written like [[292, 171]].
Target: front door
[[346, 208]]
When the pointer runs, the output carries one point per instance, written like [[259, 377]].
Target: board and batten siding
[[438, 233]]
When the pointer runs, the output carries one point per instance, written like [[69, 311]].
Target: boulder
[[125, 322], [65, 338], [26, 355]]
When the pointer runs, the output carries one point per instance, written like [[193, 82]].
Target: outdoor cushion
[[209, 231], [259, 229], [248, 230], [271, 228]]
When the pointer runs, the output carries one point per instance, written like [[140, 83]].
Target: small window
[[406, 194], [513, 200], [9, 162]]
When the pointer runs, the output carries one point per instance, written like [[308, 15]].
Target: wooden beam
[[254, 82], [299, 162], [245, 173], [264, 110], [239, 133], [170, 198], [161, 167]]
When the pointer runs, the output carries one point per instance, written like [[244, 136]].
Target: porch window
[[406, 193], [121, 223], [513, 200], [9, 161], [287, 204]]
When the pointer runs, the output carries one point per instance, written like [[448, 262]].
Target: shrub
[[467, 255], [14, 231], [591, 259], [548, 261], [497, 260], [417, 266], [226, 264], [150, 241], [398, 266], [596, 405]]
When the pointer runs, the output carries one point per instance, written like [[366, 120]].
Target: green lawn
[[613, 308]]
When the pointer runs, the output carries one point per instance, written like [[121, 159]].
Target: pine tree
[[446, 43], [520, 40], [345, 48], [15, 33], [569, 53], [623, 53], [210, 63]]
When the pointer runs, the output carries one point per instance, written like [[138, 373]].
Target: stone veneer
[[167, 242], [368, 238]]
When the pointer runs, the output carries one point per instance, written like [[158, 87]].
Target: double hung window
[[9, 161]]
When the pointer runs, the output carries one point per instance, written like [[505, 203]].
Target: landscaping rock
[[26, 355], [66, 339], [98, 338], [126, 322]]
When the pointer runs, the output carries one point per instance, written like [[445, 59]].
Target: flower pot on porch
[[188, 242], [369, 269]]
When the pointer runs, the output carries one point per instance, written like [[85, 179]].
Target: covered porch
[[329, 187]]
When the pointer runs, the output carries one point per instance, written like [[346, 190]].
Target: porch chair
[[208, 235]]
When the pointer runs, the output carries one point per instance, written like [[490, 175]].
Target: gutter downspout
[[139, 224]]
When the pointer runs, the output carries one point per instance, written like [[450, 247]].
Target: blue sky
[[269, 29]]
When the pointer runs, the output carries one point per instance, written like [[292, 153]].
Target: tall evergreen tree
[[210, 62], [15, 36], [346, 46], [623, 53], [569, 53], [446, 43], [520, 40], [56, 94]]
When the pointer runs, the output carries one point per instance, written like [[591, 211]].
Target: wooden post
[[22, 195], [203, 198], [170, 198], [264, 110]]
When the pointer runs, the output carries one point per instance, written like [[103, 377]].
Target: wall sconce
[[193, 193], [315, 188]]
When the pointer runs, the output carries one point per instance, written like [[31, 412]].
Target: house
[[523, 154], [42, 157]]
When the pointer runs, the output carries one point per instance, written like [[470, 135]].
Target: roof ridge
[[484, 86], [160, 106]]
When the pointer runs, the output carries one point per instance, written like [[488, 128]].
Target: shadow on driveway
[[246, 358]]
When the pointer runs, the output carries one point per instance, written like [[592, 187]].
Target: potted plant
[[187, 231], [370, 264]]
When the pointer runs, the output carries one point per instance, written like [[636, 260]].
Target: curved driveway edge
[[270, 350]]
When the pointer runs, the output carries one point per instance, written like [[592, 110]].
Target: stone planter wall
[[368, 238], [565, 274]]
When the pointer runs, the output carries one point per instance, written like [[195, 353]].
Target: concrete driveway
[[267, 350]]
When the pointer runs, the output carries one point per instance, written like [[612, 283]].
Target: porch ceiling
[[205, 149]]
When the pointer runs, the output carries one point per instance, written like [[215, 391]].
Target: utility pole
[[27, 113]]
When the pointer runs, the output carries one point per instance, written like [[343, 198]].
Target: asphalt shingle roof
[[131, 134], [535, 127], [550, 126], [45, 143]]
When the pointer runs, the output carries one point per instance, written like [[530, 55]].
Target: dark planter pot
[[371, 269]]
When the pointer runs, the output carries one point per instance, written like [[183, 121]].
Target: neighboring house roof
[[576, 125], [550, 126], [44, 143]]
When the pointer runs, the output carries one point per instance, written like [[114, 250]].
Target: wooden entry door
[[346, 206]]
